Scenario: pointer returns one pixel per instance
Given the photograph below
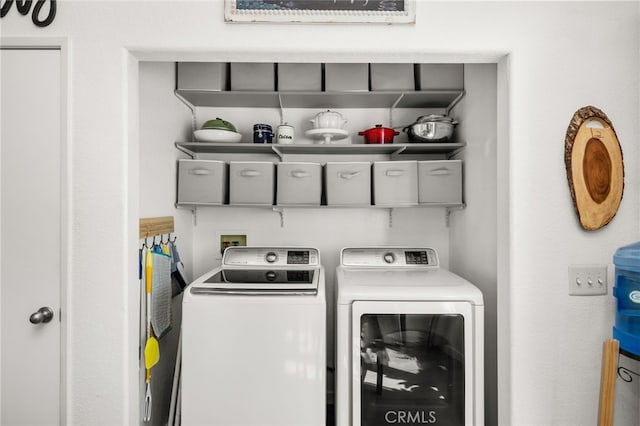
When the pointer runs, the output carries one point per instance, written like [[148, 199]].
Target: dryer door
[[412, 363]]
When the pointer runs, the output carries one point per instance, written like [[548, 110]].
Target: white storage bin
[[348, 183], [251, 182], [346, 77], [440, 182], [202, 76], [299, 183], [392, 77], [299, 77], [440, 76], [202, 182], [395, 183], [253, 76]]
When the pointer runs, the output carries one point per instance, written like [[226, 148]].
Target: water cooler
[[627, 293]]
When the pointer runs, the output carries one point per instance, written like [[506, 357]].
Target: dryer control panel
[[389, 257], [271, 256]]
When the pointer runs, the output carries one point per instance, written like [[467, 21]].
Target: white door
[[30, 142]]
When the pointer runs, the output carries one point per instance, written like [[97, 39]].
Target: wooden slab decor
[[595, 170]]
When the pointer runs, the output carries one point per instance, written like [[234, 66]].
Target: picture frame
[[320, 11]]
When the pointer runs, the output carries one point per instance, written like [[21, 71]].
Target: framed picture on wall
[[321, 11]]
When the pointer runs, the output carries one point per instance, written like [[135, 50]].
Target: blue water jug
[[627, 293]]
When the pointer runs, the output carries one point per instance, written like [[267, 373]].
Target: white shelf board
[[193, 148], [322, 100]]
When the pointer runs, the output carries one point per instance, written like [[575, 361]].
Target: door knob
[[44, 314]]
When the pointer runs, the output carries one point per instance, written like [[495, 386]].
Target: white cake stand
[[327, 136]]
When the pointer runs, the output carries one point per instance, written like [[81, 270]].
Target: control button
[[271, 257], [271, 276], [389, 258]]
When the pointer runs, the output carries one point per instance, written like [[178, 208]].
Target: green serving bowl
[[219, 124]]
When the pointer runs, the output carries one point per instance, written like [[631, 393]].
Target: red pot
[[379, 134]]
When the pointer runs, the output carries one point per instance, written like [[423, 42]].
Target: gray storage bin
[[440, 181], [348, 183], [440, 76], [299, 183], [202, 76], [392, 77], [253, 76], [251, 182], [202, 182], [346, 77], [299, 77], [395, 183]]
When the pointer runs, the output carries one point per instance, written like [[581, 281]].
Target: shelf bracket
[[448, 211], [281, 108], [278, 152], [391, 218], [189, 105], [455, 102], [186, 151], [398, 151], [454, 153], [194, 215], [395, 104], [280, 212]]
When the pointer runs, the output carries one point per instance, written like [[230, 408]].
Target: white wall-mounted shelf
[[194, 148], [369, 99], [280, 209]]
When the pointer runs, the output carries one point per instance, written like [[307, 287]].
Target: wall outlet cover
[[232, 241]]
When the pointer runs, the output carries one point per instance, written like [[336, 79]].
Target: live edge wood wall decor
[[595, 170]]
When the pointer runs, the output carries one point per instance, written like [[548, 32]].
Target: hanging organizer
[[155, 267]]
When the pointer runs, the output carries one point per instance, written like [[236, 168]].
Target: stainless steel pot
[[431, 128]]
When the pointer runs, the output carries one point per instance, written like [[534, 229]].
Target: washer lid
[[260, 281]]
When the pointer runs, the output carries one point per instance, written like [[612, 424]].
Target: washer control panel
[[270, 256], [389, 257]]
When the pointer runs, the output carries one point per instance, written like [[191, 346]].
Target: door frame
[[61, 44]]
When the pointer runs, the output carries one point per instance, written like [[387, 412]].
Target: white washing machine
[[409, 344], [254, 340]]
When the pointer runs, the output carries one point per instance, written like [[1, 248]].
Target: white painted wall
[[559, 57]]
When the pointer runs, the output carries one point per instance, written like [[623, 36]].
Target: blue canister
[[627, 293], [262, 133]]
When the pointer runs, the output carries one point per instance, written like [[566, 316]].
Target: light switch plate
[[587, 280]]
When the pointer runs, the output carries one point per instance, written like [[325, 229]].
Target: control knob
[[271, 276], [271, 257], [389, 257]]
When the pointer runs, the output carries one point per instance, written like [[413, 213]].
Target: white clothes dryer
[[254, 340], [409, 344]]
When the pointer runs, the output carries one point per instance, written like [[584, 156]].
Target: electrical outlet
[[587, 280], [232, 241]]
